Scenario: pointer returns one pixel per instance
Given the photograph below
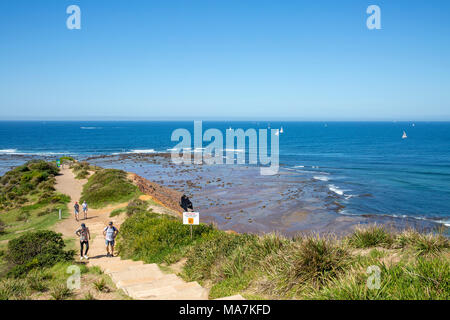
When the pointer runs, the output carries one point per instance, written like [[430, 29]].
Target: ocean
[[366, 166]]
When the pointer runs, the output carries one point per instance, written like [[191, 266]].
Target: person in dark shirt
[[185, 203]]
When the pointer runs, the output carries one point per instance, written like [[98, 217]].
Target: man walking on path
[[77, 210], [110, 233], [85, 209], [85, 236]]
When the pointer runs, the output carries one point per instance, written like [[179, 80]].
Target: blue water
[[369, 167]]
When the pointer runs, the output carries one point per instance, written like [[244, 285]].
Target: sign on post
[[191, 218]]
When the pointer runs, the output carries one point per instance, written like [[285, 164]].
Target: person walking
[[77, 210], [110, 233], [85, 209], [85, 236]]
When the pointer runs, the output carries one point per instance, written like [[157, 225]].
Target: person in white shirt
[[85, 209], [110, 233]]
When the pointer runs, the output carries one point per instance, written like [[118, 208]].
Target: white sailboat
[[281, 130], [404, 136]]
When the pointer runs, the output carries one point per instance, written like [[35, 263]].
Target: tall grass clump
[[372, 236], [320, 259], [108, 186], [423, 244]]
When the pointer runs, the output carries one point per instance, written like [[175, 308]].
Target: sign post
[[191, 218]]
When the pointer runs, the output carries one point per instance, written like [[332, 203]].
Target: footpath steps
[[147, 282]]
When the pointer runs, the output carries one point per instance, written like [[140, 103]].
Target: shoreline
[[285, 203]]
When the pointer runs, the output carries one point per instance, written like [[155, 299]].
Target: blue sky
[[225, 59]]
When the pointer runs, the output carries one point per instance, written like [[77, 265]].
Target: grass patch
[[108, 186], [117, 212]]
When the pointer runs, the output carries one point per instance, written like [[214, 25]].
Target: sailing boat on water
[[281, 130], [404, 136]]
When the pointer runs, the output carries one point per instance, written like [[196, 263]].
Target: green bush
[[108, 186], [17, 185], [157, 238], [36, 249]]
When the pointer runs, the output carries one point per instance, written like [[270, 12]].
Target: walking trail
[[137, 279]]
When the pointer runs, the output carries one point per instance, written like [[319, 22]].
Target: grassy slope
[[31, 205], [108, 186], [412, 265]]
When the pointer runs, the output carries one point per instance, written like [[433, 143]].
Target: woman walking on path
[[85, 236]]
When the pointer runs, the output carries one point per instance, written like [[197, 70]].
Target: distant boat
[[277, 132], [230, 128], [404, 136], [413, 124], [281, 130]]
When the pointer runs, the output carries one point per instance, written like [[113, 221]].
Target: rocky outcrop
[[167, 197]]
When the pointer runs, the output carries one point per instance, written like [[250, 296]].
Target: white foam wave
[[335, 189], [8, 150], [321, 178], [90, 128]]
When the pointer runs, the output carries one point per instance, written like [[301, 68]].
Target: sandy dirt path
[[97, 218]]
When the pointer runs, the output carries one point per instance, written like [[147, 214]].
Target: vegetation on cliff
[[108, 186], [411, 265]]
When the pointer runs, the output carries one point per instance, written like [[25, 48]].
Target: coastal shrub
[[371, 236], [108, 186], [17, 185], [156, 238], [135, 206], [13, 289], [36, 249]]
